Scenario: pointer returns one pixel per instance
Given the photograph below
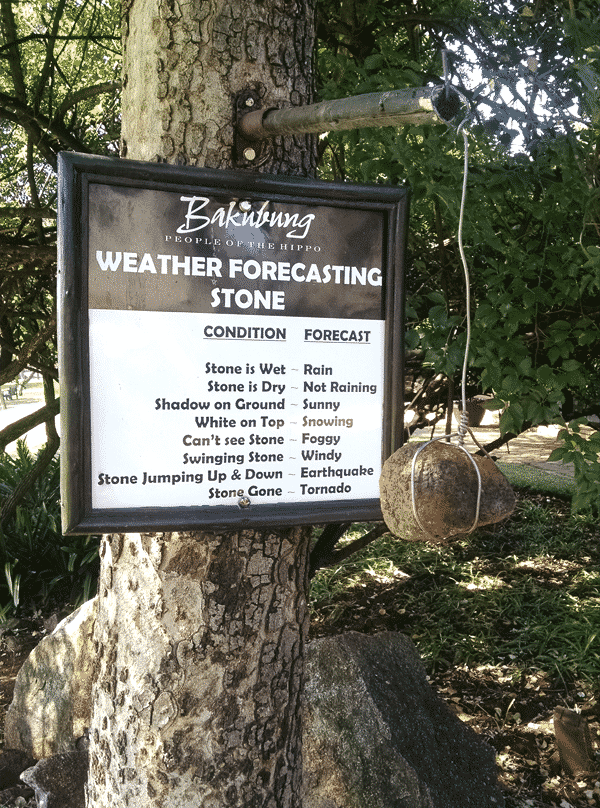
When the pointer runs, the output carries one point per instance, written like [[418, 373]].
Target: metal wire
[[464, 420], [446, 72], [413, 490], [463, 426]]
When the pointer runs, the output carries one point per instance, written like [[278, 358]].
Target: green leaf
[[545, 373], [439, 316], [437, 297], [374, 62], [511, 384], [554, 353], [411, 339], [525, 365], [494, 404]]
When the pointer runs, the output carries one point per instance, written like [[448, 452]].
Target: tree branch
[[496, 444], [321, 552], [33, 190], [22, 360], [84, 94], [45, 71], [358, 544], [8, 113], [42, 462], [21, 427], [27, 213], [61, 37], [14, 55], [35, 124]]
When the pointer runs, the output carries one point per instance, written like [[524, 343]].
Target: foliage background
[[59, 66], [532, 222]]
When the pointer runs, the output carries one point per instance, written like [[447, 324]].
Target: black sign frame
[[76, 172]]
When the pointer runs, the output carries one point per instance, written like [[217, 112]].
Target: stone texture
[[59, 781], [8, 796], [446, 488], [377, 736], [51, 701], [12, 763]]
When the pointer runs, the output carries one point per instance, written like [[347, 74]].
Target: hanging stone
[[446, 488]]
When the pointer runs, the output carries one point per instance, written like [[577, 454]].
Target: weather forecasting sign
[[230, 346]]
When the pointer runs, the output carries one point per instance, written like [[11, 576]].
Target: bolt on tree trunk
[[200, 636]]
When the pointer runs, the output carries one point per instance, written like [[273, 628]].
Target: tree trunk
[[200, 636], [200, 646], [185, 63]]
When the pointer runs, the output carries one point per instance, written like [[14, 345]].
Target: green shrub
[[41, 567], [584, 453]]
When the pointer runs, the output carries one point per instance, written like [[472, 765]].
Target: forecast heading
[[198, 266]]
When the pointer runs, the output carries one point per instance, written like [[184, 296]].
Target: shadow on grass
[[527, 591]]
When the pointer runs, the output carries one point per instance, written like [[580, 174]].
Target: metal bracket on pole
[[413, 107], [248, 152]]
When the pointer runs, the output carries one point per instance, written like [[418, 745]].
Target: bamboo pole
[[412, 107]]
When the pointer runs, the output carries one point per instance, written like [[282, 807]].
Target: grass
[[534, 479], [524, 593]]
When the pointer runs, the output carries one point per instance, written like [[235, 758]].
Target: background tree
[[533, 207], [58, 90]]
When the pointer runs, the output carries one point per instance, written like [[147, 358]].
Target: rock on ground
[[375, 733], [377, 736], [12, 763], [59, 781], [52, 697]]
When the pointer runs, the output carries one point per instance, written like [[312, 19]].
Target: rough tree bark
[[200, 636]]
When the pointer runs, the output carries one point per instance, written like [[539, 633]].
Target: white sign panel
[[291, 414]]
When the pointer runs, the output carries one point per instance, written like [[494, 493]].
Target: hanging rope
[[463, 427], [464, 419]]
